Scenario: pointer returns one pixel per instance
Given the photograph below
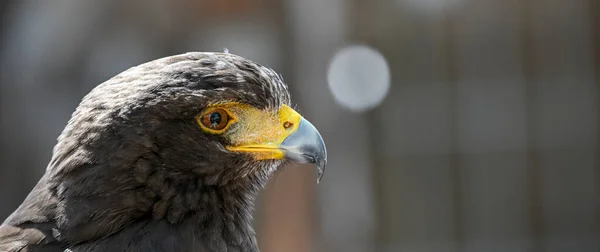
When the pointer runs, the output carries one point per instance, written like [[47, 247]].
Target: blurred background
[[451, 125]]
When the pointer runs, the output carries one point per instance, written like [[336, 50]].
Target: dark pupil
[[215, 119]]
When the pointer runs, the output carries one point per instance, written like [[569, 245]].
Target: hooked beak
[[285, 135], [306, 146]]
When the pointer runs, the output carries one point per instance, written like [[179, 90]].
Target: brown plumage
[[136, 170]]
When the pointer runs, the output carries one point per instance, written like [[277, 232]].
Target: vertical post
[[527, 51], [319, 28]]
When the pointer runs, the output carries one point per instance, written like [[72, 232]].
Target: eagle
[[166, 156]]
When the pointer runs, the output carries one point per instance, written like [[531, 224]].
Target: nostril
[[287, 125]]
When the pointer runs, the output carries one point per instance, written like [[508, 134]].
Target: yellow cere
[[258, 132]]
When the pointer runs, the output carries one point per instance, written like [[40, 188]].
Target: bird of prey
[[166, 156]]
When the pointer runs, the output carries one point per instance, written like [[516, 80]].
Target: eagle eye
[[215, 120]]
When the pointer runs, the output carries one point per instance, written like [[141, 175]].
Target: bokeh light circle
[[358, 77]]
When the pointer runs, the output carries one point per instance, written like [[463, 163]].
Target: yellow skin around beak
[[262, 132], [268, 135], [258, 132]]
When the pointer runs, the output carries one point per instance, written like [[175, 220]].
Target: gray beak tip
[[306, 146], [321, 169]]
